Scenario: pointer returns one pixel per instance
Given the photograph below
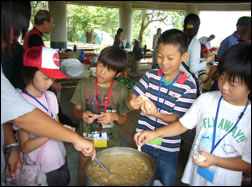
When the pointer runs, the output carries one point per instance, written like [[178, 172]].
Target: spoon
[[102, 165]]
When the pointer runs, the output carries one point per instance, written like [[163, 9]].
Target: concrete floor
[[127, 132]]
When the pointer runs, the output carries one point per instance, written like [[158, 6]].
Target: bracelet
[[11, 146]]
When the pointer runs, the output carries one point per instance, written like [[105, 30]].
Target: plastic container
[[95, 58], [82, 56], [72, 67]]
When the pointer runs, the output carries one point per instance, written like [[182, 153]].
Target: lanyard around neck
[[169, 88], [215, 125], [39, 102], [106, 100]]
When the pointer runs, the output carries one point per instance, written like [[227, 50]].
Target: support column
[[192, 9], [126, 22], [59, 32]]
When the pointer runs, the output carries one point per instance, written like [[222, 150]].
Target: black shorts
[[59, 177]]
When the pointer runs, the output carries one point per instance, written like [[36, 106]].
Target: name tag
[[206, 174], [100, 140], [108, 125], [156, 141]]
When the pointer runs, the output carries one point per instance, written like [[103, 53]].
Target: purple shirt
[[227, 43]]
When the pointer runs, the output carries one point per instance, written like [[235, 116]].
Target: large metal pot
[[122, 151]]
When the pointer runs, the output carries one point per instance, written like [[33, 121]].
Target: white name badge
[[108, 125], [100, 140]]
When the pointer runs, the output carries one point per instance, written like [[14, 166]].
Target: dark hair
[[119, 31], [243, 21], [16, 15], [41, 16], [114, 58], [236, 61], [28, 73], [191, 26], [212, 36], [174, 37]]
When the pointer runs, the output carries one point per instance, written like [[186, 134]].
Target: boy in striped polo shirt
[[168, 94]]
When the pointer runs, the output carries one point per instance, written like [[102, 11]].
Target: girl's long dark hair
[[191, 26], [16, 15]]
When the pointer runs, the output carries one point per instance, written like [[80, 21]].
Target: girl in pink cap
[[41, 68]]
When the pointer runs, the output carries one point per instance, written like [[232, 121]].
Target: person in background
[[191, 28], [99, 103], [221, 149], [118, 40], [233, 38], [245, 34], [40, 71], [168, 94], [43, 24], [241, 25], [206, 41], [154, 47], [15, 17], [138, 55], [209, 58]]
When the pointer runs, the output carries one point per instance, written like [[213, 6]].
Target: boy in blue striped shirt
[[163, 96]]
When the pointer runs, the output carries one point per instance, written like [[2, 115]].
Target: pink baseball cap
[[46, 59]]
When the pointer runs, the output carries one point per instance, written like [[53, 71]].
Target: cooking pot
[[122, 151]]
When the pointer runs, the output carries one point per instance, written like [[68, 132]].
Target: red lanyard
[[106, 100]]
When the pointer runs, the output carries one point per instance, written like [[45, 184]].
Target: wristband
[[11, 146]]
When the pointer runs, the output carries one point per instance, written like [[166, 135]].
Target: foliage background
[[82, 19]]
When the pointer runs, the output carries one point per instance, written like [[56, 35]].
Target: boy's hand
[[149, 108], [88, 117], [107, 117], [144, 137], [136, 102], [210, 160]]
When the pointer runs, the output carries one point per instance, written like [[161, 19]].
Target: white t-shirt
[[237, 143]]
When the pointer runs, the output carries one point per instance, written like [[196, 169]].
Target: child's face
[[169, 59], [41, 82], [103, 74], [234, 92]]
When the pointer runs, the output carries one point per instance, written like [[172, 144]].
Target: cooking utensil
[[122, 151], [102, 165]]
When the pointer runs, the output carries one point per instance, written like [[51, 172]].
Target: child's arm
[[133, 102], [28, 144], [235, 163], [173, 129], [112, 116]]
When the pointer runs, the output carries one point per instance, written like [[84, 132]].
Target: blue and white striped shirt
[[180, 98]]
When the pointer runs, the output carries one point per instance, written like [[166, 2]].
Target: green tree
[[143, 19], [82, 19]]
